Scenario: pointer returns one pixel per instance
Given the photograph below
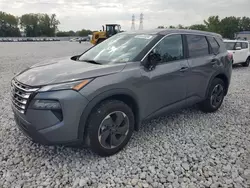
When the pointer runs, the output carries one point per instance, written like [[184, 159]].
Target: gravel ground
[[185, 149]]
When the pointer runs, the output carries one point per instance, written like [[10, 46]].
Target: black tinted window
[[244, 45], [197, 45], [214, 44], [170, 48], [230, 45]]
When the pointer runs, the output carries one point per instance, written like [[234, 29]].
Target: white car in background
[[74, 39], [240, 50]]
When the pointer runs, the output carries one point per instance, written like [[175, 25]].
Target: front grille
[[20, 95]]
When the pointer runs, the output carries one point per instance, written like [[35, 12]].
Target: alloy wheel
[[113, 130], [217, 95]]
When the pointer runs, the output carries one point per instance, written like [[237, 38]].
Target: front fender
[[101, 97]]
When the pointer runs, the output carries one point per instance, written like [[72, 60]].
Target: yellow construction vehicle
[[100, 36]]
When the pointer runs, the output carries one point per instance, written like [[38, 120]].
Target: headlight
[[45, 105], [76, 85]]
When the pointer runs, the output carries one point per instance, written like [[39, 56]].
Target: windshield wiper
[[91, 61]]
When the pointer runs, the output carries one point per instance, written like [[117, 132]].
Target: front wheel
[[246, 64], [215, 96], [110, 127]]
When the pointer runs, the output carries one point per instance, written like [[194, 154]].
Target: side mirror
[[75, 58], [238, 48], [153, 59]]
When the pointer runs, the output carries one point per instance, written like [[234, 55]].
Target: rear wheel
[[246, 64], [110, 127], [215, 96]]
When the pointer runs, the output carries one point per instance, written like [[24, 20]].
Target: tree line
[[80, 33], [227, 26], [34, 25], [37, 25]]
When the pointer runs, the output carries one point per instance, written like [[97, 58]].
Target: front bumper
[[44, 127]]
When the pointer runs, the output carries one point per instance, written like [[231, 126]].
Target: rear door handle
[[183, 69]]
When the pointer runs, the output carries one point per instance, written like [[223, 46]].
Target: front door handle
[[183, 69]]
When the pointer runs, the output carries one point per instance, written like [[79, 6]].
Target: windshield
[[119, 48], [230, 45]]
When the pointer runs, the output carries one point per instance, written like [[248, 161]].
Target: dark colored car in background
[[100, 97]]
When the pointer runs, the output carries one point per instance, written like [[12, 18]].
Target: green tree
[[200, 27], [65, 33], [83, 33], [213, 24], [30, 24], [160, 27], [48, 25], [39, 24], [62, 34], [229, 26], [72, 33], [244, 24], [172, 27], [180, 27], [8, 25]]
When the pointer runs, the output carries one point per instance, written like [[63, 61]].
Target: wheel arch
[[125, 95], [223, 77]]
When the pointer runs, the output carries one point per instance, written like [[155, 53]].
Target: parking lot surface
[[185, 149]]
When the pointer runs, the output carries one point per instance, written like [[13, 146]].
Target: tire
[[207, 105], [246, 64], [97, 130]]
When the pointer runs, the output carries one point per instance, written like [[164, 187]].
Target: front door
[[167, 83]]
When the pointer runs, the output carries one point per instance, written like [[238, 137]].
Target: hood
[[63, 70]]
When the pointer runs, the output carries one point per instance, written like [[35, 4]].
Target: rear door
[[203, 64]]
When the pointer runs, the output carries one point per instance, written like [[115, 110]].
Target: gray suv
[[97, 99]]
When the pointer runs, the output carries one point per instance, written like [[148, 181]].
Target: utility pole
[[133, 23], [141, 22]]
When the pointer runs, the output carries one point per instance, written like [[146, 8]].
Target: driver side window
[[170, 49]]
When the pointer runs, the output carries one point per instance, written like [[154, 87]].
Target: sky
[[92, 14]]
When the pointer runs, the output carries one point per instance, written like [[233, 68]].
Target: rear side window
[[214, 44], [244, 45], [230, 45], [237, 45], [197, 45]]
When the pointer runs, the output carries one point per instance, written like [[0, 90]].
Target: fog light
[[46, 104]]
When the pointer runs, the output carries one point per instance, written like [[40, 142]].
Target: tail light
[[230, 57]]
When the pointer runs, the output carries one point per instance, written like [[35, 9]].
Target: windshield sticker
[[143, 37]]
